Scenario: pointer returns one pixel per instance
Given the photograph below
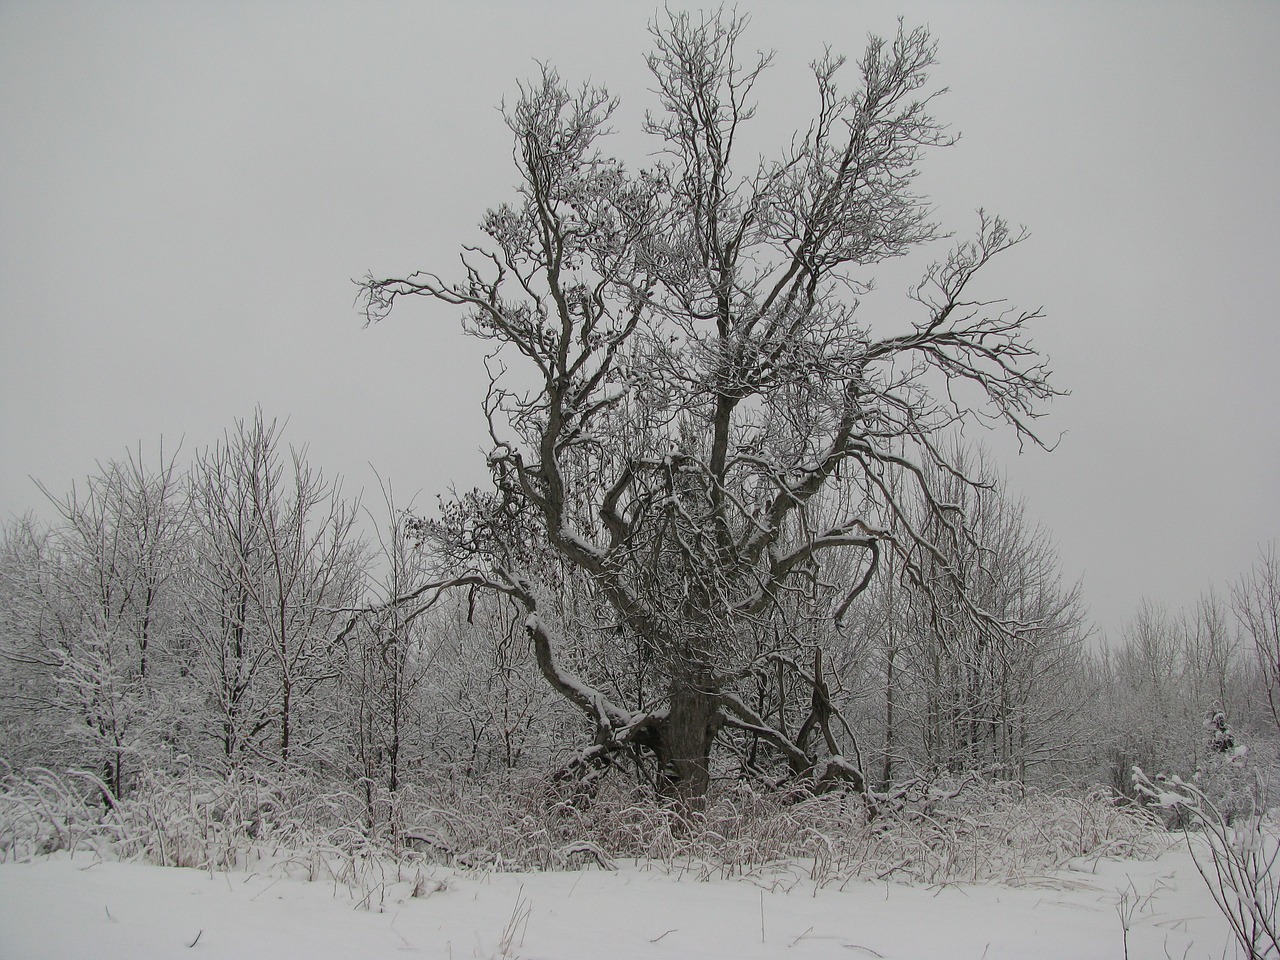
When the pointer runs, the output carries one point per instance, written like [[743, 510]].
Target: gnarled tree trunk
[[685, 738]]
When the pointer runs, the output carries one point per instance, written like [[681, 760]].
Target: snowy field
[[78, 907]]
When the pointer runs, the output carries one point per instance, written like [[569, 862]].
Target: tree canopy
[[689, 414]]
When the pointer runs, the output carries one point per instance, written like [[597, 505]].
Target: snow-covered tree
[[276, 565], [90, 622], [696, 379], [1255, 599]]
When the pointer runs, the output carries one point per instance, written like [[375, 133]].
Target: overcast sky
[[188, 189]]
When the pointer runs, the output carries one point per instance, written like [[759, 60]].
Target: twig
[[762, 916], [265, 889]]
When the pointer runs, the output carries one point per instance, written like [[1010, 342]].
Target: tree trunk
[[286, 707], [890, 720], [685, 739]]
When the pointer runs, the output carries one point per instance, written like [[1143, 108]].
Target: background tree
[[1255, 599], [696, 373], [992, 695], [34, 630], [277, 562], [1157, 689], [91, 615], [945, 692], [386, 662]]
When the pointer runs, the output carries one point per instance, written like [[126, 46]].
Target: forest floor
[[78, 906]]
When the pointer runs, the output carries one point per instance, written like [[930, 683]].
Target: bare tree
[[949, 692], [1166, 692], [1212, 655], [387, 661], [1255, 598], [695, 374], [277, 565], [995, 699], [89, 613], [37, 628]]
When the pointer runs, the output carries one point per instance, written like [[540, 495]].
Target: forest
[[745, 587]]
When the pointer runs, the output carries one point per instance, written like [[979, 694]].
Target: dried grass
[[931, 834]]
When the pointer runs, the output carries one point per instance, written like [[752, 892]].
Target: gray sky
[[186, 191]]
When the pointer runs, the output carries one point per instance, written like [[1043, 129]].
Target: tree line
[[239, 613]]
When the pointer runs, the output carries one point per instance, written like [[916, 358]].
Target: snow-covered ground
[[65, 907]]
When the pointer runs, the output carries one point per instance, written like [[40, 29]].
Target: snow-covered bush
[[969, 831], [1237, 855], [42, 812]]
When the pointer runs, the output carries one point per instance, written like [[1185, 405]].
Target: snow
[[64, 907]]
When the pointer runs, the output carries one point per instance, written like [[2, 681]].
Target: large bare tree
[[685, 405]]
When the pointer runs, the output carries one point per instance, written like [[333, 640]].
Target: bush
[[1236, 850]]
